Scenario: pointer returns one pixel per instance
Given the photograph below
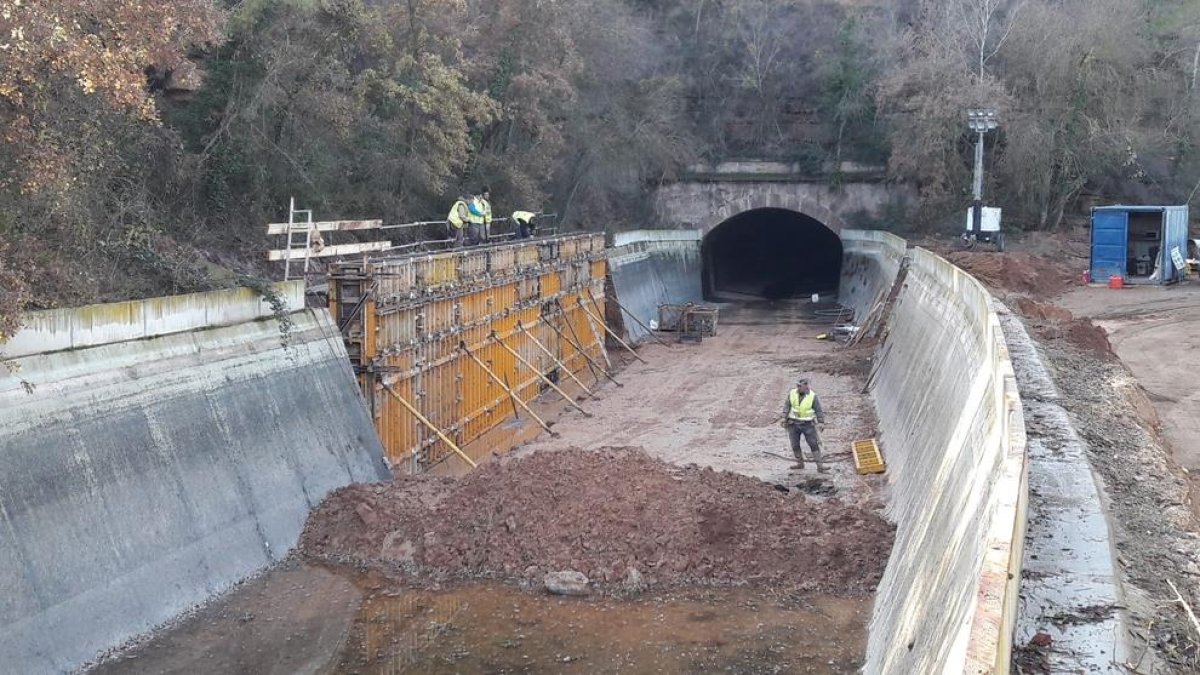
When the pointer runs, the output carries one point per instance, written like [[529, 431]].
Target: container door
[[1110, 232], [1174, 236]]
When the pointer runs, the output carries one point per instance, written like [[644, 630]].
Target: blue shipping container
[[1132, 242]]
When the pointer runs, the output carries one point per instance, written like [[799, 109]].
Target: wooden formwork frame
[[415, 325]]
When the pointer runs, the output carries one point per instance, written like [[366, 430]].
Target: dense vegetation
[[144, 144]]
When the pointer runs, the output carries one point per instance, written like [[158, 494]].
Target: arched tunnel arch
[[770, 253]]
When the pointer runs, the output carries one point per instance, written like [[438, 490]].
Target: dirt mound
[[603, 513], [1081, 334], [1017, 272], [1042, 311], [1086, 335]]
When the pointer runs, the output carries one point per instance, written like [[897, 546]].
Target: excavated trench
[[696, 410], [770, 253]]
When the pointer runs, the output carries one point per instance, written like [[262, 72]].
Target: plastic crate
[[867, 458]]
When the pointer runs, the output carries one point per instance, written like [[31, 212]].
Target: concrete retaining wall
[[167, 450], [870, 263], [654, 267], [952, 433]]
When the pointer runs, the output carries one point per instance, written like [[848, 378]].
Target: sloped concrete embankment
[[871, 263], [953, 436], [654, 267], [153, 454]]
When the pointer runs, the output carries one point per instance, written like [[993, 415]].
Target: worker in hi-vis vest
[[801, 415], [523, 223], [476, 221], [457, 220]]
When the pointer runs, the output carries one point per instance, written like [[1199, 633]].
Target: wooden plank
[[329, 251], [329, 226]]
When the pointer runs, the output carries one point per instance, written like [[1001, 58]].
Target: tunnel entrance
[[770, 253]]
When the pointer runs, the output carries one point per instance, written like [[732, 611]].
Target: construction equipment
[[689, 321], [303, 239], [867, 457]]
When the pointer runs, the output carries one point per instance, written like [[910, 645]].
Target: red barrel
[[1116, 281]]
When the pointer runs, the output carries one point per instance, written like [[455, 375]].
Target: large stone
[[634, 581], [567, 582]]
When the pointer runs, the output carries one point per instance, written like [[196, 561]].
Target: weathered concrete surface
[[654, 267], [953, 436], [870, 264], [1070, 588], [705, 204], [294, 620], [59, 329], [140, 478]]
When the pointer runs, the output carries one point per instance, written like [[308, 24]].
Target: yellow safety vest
[[802, 408], [523, 216], [483, 217], [458, 214], [487, 211]]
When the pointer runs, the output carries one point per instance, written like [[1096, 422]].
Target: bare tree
[[984, 26]]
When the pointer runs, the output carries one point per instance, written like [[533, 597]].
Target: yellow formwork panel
[[867, 458], [527, 256], [502, 259], [425, 306]]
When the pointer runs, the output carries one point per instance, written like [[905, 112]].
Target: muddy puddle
[[301, 618], [486, 628]]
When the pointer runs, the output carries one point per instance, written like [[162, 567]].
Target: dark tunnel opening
[[773, 254]]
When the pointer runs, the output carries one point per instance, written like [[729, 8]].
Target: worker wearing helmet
[[456, 221], [523, 222], [802, 413]]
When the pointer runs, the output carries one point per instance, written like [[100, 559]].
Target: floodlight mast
[[981, 121]]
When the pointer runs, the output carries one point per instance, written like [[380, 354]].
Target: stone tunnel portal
[[771, 253]]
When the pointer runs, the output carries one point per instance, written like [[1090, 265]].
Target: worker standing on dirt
[[801, 415]]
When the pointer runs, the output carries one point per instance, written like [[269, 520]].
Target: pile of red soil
[[603, 513], [1017, 272], [1042, 311], [1079, 333], [1088, 336]]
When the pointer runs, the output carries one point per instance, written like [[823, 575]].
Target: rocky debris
[[634, 581], [567, 582], [613, 515], [1033, 657]]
